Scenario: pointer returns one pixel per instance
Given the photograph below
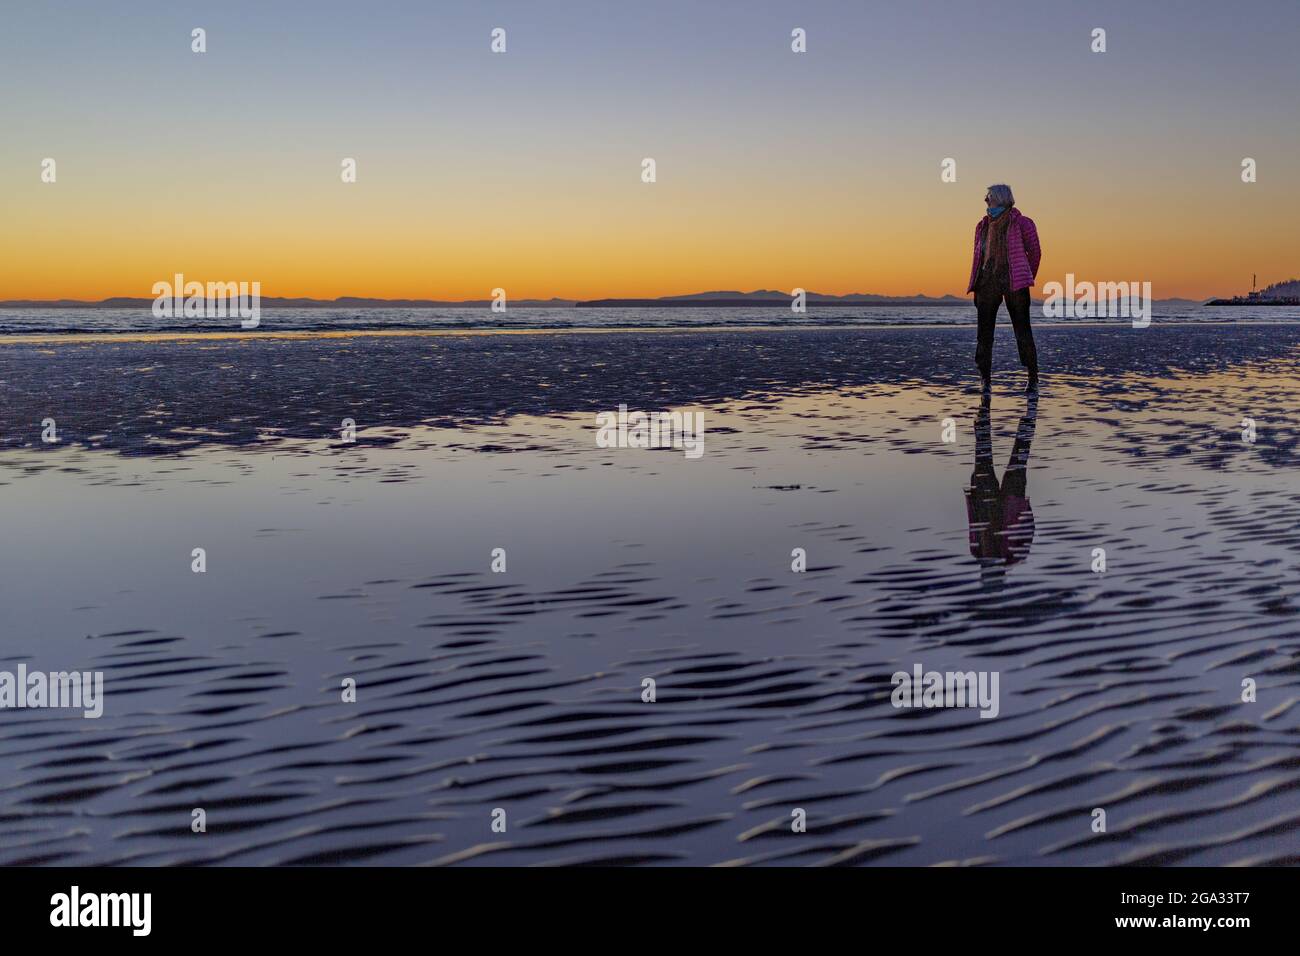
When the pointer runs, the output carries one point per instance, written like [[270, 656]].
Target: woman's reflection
[[1000, 517]]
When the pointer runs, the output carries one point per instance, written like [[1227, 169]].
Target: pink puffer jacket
[[1023, 251]]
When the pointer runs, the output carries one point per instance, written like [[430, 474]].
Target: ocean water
[[74, 320]]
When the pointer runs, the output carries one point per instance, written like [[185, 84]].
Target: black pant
[[987, 300]]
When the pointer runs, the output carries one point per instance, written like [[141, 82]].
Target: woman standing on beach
[[1003, 269]]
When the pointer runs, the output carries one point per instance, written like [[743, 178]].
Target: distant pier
[[1291, 300]]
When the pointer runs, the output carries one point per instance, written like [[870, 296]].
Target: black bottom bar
[[358, 905]]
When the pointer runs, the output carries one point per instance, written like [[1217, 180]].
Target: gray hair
[[1001, 195]]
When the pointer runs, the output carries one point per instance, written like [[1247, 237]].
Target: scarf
[[995, 246]]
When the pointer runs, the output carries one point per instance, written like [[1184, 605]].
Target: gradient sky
[[522, 170]]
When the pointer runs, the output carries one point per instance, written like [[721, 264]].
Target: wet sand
[[522, 690]]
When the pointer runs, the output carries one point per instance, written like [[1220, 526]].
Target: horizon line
[[715, 298]]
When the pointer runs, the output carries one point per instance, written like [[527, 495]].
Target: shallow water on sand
[[522, 690]]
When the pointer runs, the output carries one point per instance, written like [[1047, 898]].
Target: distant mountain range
[[767, 297], [761, 298]]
